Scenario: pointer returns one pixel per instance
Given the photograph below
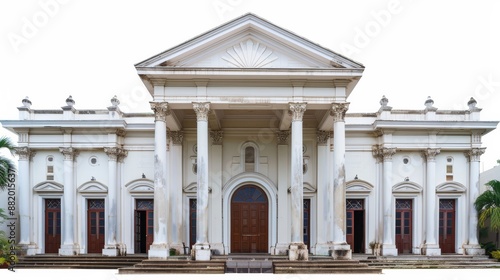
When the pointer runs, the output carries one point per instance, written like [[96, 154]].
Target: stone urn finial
[[429, 102], [114, 101], [26, 102], [70, 101], [472, 103], [384, 101]]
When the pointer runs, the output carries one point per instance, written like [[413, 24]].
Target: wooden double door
[[249, 220], [447, 225], [143, 225], [95, 225], [404, 213], [355, 225], [52, 225]]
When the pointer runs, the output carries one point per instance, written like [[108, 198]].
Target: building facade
[[249, 148]]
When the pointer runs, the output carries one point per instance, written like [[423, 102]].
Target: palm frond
[[6, 143]]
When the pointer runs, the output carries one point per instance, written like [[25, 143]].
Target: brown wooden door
[[249, 221], [192, 221], [355, 225], [307, 223], [144, 225], [95, 225], [404, 225], [447, 225], [52, 225]]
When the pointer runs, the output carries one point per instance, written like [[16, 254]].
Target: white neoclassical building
[[249, 148]]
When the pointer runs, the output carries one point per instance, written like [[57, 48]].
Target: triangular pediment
[[249, 42], [48, 186]]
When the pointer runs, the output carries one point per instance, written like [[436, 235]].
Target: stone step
[[178, 266], [316, 267], [82, 261]]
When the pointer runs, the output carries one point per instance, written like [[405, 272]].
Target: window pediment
[[49, 186], [93, 187], [451, 187], [140, 186], [408, 187], [358, 186]]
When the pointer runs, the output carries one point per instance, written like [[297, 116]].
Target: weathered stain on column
[[297, 176], [202, 110], [338, 111]]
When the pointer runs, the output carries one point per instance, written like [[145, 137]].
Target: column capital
[[177, 136], [474, 154], [377, 153], [296, 110], [322, 137], [338, 110], [216, 137], [387, 153], [431, 153], [69, 153], [115, 153], [24, 153], [202, 109], [161, 110], [282, 137]]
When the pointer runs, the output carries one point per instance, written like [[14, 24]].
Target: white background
[[449, 50]]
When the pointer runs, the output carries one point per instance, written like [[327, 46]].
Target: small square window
[[449, 169], [50, 169], [449, 177]]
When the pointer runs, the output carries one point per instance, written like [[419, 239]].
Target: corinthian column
[[159, 248], [176, 190], [25, 155], [324, 232], [388, 244], [202, 246], [473, 247], [68, 246], [431, 246], [297, 251], [111, 246], [341, 249]]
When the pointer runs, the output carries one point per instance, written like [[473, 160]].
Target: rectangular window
[[449, 169]]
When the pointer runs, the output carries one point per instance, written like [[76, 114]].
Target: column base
[[473, 250], [69, 250], [179, 249], [298, 252], [201, 252], [158, 252], [217, 248], [431, 250], [341, 252], [323, 249], [389, 250], [281, 249], [28, 249], [115, 250]]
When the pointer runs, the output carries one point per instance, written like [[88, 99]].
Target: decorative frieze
[[282, 137], [69, 153], [177, 137], [430, 154], [216, 137], [474, 154], [24, 153], [322, 137], [115, 153], [338, 111], [161, 110], [202, 109]]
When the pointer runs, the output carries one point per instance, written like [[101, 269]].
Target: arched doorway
[[249, 220]]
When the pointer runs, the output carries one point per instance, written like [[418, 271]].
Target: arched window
[[249, 159]]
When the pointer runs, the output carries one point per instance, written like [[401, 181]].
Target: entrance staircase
[[439, 262], [78, 262]]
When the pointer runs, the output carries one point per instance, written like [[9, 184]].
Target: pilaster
[[111, 247], [431, 246], [216, 244], [69, 247], [388, 242], [474, 155], [283, 241], [176, 222], [324, 232]]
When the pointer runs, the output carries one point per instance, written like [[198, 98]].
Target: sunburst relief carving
[[250, 54]]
